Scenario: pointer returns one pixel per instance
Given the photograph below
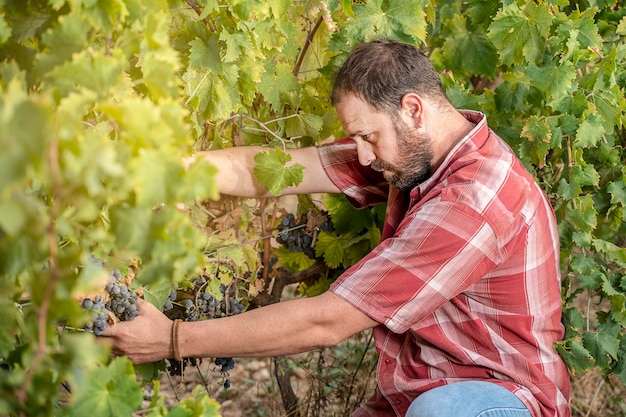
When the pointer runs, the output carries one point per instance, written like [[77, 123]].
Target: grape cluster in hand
[[122, 303], [98, 323]]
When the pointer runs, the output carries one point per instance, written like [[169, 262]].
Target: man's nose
[[365, 153]]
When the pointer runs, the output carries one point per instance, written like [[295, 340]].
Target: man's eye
[[367, 137]]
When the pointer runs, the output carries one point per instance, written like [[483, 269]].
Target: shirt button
[[387, 361], [397, 401]]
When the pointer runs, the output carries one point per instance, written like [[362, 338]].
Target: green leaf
[[621, 27], [577, 358], [603, 344], [5, 30], [539, 137], [590, 132], [346, 5], [617, 189], [272, 172], [470, 51], [393, 19], [584, 214], [304, 124], [294, 261], [520, 35], [198, 404], [63, 40], [277, 80], [618, 308], [555, 80], [345, 217], [584, 26], [585, 175], [109, 391], [333, 247]]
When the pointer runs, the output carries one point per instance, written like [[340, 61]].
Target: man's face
[[386, 144]]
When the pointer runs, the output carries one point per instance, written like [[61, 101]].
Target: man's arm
[[283, 328], [236, 177]]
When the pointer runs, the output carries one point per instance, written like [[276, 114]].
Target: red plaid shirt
[[465, 282]]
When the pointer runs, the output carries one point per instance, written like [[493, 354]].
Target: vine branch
[[198, 10], [305, 47], [51, 232]]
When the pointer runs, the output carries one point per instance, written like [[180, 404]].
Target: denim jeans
[[468, 399]]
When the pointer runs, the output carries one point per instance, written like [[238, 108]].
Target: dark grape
[[295, 236], [199, 304], [123, 302], [99, 315]]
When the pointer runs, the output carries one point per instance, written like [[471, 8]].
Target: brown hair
[[381, 72]]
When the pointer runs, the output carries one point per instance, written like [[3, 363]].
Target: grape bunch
[[299, 235], [96, 307], [199, 304], [226, 365], [122, 303]]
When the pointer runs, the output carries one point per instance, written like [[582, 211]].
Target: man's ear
[[411, 110]]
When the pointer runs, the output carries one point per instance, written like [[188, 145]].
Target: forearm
[[235, 175], [235, 170], [279, 329]]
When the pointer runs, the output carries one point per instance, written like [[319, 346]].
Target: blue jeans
[[468, 399]]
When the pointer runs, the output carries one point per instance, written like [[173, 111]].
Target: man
[[462, 293]]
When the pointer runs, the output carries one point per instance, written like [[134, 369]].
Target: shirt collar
[[475, 138]]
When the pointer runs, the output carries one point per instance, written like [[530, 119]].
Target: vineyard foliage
[[101, 101]]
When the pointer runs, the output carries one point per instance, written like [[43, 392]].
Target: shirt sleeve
[[362, 185], [436, 253]]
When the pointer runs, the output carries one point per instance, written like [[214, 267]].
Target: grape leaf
[[397, 19], [539, 136], [277, 79], [556, 80], [294, 261], [469, 51], [584, 214], [618, 192], [621, 27], [590, 131], [198, 404], [271, 171], [345, 217], [520, 35], [584, 26], [473, 53], [5, 30], [333, 247], [603, 344], [575, 355], [109, 391]]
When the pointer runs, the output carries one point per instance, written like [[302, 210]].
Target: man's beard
[[413, 162]]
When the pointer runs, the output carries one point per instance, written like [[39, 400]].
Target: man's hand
[[146, 338]]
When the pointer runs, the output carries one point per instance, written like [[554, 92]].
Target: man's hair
[[381, 72]]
